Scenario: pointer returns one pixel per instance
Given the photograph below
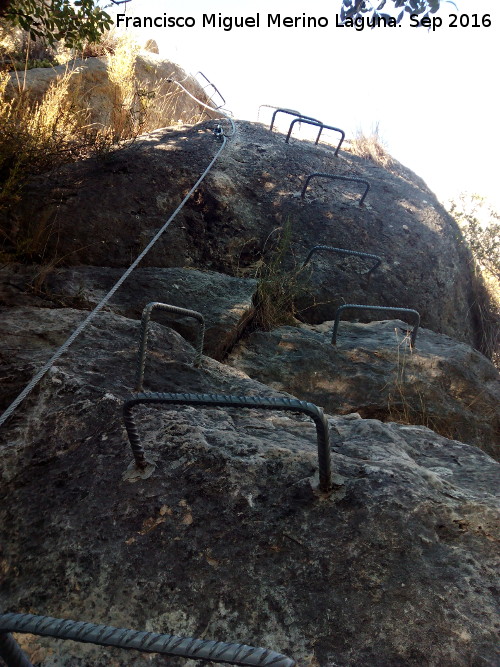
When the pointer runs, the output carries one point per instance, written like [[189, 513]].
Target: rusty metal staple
[[357, 306], [322, 126], [45, 368], [11, 653], [335, 177], [288, 404], [272, 106], [211, 85], [343, 251], [149, 642], [145, 320], [291, 112]]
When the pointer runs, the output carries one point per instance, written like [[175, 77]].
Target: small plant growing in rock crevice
[[278, 285]]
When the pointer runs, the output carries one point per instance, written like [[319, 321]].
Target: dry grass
[[34, 135], [107, 44], [121, 73], [371, 147], [38, 137], [401, 408], [278, 286]]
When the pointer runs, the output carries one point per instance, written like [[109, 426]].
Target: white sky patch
[[433, 93]]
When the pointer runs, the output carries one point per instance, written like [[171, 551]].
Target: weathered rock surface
[[227, 539], [103, 213], [97, 94], [372, 370], [224, 301]]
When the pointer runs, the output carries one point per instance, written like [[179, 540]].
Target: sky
[[433, 93]]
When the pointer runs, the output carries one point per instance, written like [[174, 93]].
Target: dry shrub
[[371, 147], [486, 288], [160, 109], [34, 135], [10, 40], [136, 107], [121, 72], [479, 225], [37, 137], [278, 285], [19, 51], [107, 44]]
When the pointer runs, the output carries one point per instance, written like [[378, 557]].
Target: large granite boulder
[[374, 371], [228, 538], [96, 94], [103, 213], [225, 302]]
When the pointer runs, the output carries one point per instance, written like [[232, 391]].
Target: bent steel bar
[[272, 106], [289, 404], [335, 177], [357, 306], [11, 653], [342, 251], [210, 84], [321, 126], [146, 316], [149, 642], [291, 112]]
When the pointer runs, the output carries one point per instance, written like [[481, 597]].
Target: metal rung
[[288, 404], [291, 112], [272, 106], [148, 642], [343, 251], [145, 319], [322, 126], [211, 85], [357, 306], [335, 177]]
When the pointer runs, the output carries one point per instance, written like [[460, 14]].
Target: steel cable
[[219, 111], [36, 379], [150, 642]]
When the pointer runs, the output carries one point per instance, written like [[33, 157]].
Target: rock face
[[96, 94], [227, 539], [373, 370], [225, 302], [103, 213]]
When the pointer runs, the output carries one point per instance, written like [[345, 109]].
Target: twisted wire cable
[[36, 379], [149, 642], [219, 111], [287, 404], [143, 343]]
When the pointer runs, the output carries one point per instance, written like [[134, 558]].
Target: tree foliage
[[358, 8], [54, 20], [480, 226]]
